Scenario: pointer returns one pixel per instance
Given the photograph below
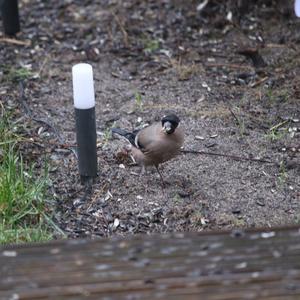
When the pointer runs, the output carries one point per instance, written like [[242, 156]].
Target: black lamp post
[[10, 16], [84, 102]]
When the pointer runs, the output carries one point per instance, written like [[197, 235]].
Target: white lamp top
[[83, 86], [297, 8]]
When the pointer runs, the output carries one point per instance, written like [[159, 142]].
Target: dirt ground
[[231, 73]]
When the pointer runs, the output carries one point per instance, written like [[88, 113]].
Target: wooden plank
[[217, 266]]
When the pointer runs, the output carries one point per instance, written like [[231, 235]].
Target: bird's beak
[[167, 127]]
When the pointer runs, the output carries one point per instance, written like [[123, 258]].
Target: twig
[[235, 157], [51, 222], [258, 82], [51, 127], [234, 115], [272, 45], [15, 42], [279, 125], [232, 66], [42, 66], [124, 32], [29, 113]]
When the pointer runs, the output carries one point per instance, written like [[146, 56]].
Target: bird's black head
[[170, 123]]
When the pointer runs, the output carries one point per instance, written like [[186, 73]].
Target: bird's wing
[[148, 136], [130, 136]]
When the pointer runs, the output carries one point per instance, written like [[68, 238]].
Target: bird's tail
[[120, 131], [130, 136]]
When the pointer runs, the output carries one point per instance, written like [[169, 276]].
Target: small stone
[[213, 136], [260, 202], [116, 223], [204, 221], [108, 196], [139, 197], [183, 194], [210, 145], [202, 98], [205, 85], [236, 210], [40, 130], [77, 202], [229, 16], [135, 173]]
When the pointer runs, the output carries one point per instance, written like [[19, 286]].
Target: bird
[[156, 143]]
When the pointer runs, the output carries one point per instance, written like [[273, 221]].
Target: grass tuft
[[22, 192], [138, 101], [16, 74]]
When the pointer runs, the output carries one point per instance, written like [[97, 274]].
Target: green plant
[[282, 176], [138, 100], [278, 96], [151, 45], [270, 96], [297, 219], [274, 134], [240, 122], [177, 199], [23, 190], [241, 126], [16, 75], [23, 234], [107, 135]]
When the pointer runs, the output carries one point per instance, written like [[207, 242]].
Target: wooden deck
[[238, 265]]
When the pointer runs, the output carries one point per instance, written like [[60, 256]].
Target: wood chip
[[198, 137]]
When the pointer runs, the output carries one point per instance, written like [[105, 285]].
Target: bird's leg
[[161, 177], [144, 172]]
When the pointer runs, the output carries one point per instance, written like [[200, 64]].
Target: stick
[[234, 115], [124, 32], [278, 125], [15, 42], [254, 84], [233, 66], [28, 112], [235, 157]]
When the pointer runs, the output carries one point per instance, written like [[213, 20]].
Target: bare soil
[[230, 72]]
